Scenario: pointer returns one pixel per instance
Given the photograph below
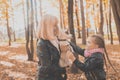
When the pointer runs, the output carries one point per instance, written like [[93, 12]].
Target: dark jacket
[[93, 66], [49, 56]]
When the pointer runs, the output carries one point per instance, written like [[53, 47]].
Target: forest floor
[[14, 64]]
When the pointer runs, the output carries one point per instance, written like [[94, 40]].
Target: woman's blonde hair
[[48, 27]]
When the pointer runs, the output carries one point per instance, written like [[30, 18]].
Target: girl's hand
[[72, 57]]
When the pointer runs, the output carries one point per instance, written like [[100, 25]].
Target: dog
[[66, 55]]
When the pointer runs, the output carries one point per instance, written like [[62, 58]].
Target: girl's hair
[[99, 40]]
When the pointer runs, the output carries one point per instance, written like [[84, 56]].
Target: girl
[[93, 66], [48, 50]]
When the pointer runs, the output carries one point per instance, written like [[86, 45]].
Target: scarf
[[88, 53]]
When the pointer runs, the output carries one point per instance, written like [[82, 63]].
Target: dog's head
[[64, 46]]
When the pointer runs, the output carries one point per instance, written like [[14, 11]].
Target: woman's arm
[[77, 49], [91, 64]]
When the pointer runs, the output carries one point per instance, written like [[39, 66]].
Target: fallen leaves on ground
[[14, 64]]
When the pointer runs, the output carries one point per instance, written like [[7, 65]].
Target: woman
[[48, 50]]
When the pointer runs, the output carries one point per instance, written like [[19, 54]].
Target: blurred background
[[19, 20]]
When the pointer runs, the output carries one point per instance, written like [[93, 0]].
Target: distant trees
[[116, 12], [102, 14], [6, 13], [31, 22]]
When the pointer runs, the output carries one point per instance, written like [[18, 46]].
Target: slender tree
[[36, 15], [107, 28], [95, 21], [101, 19], [106, 19], [61, 18], [8, 28], [116, 12], [111, 35], [83, 23], [32, 27], [40, 8], [40, 2], [14, 35], [63, 14], [29, 31], [70, 20], [77, 17], [25, 24]]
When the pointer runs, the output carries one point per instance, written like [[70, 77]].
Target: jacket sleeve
[[77, 49], [95, 61], [45, 60]]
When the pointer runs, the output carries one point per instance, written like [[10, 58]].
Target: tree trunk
[[96, 30], [14, 35], [107, 28], [61, 19], [27, 42], [71, 27], [70, 20], [77, 17], [36, 15], [106, 18], [87, 32], [28, 30], [83, 23], [32, 27], [63, 14], [116, 12], [111, 35], [24, 17], [40, 8], [8, 29], [40, 2], [95, 19], [101, 19]]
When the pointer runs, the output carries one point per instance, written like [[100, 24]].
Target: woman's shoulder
[[41, 42]]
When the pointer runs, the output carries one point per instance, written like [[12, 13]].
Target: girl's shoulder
[[97, 54]]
